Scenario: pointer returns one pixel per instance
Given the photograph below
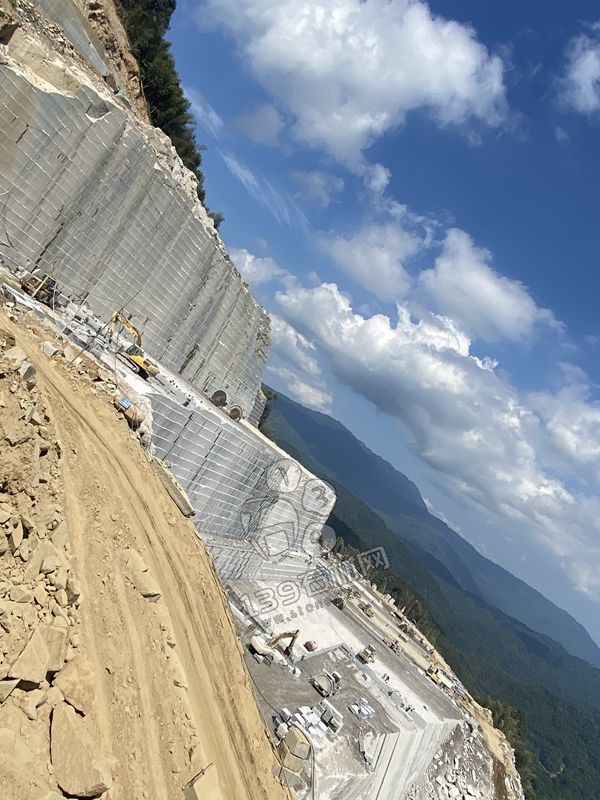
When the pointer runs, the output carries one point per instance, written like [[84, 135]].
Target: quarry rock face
[[258, 507], [104, 204], [98, 199], [101, 201]]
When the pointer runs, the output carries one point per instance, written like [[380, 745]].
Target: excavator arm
[[118, 318], [292, 635], [134, 355]]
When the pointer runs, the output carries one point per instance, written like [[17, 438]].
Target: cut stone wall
[[87, 195], [258, 510], [402, 758], [100, 201]]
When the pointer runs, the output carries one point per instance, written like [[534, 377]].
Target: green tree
[[147, 23]]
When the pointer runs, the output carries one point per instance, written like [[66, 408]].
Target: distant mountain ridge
[[399, 503], [446, 585]]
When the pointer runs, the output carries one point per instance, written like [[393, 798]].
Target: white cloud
[[348, 71], [318, 186], [206, 117], [293, 348], [375, 254], [440, 515], [586, 577], [485, 440], [276, 200], [293, 359], [263, 125], [376, 178], [562, 137], [572, 420], [305, 393], [256, 269], [489, 306], [579, 86]]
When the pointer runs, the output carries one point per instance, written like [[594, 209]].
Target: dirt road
[[172, 692]]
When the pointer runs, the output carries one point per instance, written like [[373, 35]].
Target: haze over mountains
[[398, 501], [504, 639]]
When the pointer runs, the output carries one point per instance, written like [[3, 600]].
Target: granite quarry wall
[[104, 205], [98, 199], [259, 511]]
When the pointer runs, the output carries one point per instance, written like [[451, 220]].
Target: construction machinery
[[292, 635], [433, 673], [367, 609], [326, 683], [367, 654], [133, 356], [41, 287], [394, 644]]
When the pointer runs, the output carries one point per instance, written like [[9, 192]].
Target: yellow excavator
[[292, 635], [133, 356]]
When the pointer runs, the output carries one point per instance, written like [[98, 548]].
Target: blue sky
[[411, 190]]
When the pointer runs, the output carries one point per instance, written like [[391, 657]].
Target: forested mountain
[[497, 656], [399, 503]]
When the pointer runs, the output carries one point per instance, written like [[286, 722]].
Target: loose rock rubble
[[462, 770], [46, 686], [120, 675]]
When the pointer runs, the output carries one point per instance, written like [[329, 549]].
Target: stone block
[[204, 786], [78, 768], [43, 653], [76, 683]]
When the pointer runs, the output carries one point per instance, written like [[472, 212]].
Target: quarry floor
[[171, 691]]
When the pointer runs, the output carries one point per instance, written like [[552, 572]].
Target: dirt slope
[[171, 692]]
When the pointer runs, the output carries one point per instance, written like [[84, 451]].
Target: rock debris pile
[[462, 770], [46, 684]]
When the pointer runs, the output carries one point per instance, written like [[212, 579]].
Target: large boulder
[[146, 585], [44, 652], [46, 553], [15, 356], [79, 769], [76, 682]]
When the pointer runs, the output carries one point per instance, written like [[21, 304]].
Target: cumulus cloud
[[572, 419], [294, 360], [317, 186], [206, 117], [489, 306], [375, 254], [579, 86], [256, 269], [307, 394], [293, 348], [464, 419], [263, 125], [348, 71], [376, 177]]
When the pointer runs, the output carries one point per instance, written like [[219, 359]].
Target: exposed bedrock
[[103, 204], [259, 511]]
